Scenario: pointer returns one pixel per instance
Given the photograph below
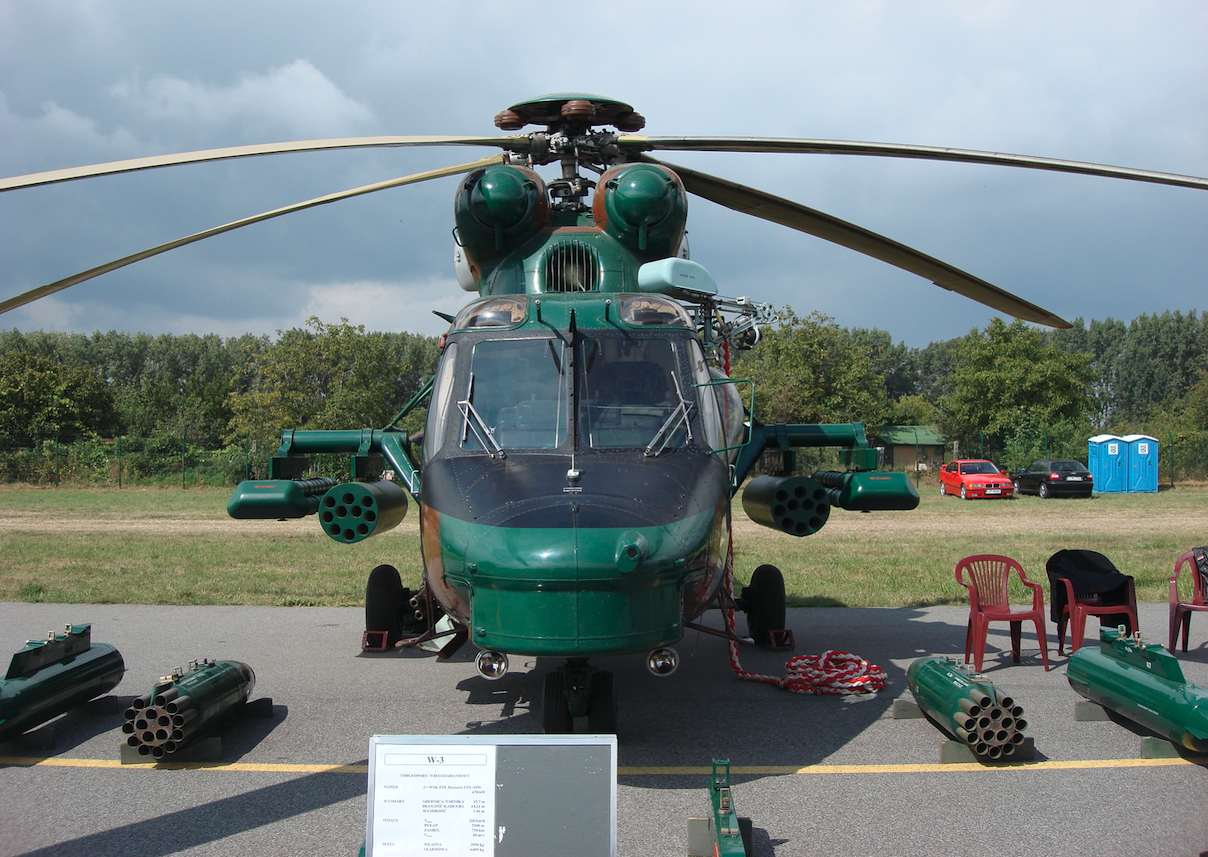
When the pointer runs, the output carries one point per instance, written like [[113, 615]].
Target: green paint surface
[[575, 591]]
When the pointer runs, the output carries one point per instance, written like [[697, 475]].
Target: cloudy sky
[[1122, 83]]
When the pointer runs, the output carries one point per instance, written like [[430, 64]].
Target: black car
[[1055, 478]]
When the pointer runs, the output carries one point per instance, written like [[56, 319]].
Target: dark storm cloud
[[1108, 82]]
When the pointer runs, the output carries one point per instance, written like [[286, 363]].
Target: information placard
[[493, 796], [435, 799]]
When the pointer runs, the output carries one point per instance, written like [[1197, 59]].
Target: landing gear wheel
[[384, 595], [765, 604], [555, 714], [1044, 491], [602, 707]]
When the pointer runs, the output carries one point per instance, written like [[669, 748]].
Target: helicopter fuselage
[[574, 500]]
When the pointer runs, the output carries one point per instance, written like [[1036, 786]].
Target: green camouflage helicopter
[[583, 438]]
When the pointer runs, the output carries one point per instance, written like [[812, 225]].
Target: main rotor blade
[[897, 150], [756, 203], [58, 286], [134, 164]]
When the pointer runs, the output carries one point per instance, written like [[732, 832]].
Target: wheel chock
[[781, 641], [375, 641]]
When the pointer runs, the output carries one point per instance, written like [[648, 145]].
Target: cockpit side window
[[706, 397], [441, 404], [630, 388], [515, 395]]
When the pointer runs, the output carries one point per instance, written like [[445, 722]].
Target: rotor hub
[[572, 112]]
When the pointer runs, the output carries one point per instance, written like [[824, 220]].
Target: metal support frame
[[721, 601], [366, 447], [457, 635], [726, 824]]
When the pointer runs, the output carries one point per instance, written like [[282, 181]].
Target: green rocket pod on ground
[[1143, 682], [51, 676], [185, 705], [971, 709]]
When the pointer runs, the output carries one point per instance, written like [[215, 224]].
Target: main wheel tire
[[1044, 491], [383, 603], [602, 705], [766, 604], [555, 713]]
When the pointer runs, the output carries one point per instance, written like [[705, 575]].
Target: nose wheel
[[555, 713], [385, 597], [577, 689]]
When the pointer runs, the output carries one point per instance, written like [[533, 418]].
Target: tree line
[[1010, 391], [183, 393]]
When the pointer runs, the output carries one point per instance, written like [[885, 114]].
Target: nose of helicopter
[[560, 561], [565, 589]]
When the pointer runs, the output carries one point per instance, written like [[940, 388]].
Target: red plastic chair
[[1088, 566], [988, 602], [1180, 611]]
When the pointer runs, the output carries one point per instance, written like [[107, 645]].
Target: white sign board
[[491, 796], [433, 799]]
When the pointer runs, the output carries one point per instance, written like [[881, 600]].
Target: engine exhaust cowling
[[796, 505]]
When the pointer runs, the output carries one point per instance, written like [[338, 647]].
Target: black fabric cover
[[1090, 573], [1201, 565]]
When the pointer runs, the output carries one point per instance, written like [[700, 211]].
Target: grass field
[[168, 546]]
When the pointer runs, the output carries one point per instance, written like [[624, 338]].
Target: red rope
[[828, 673]]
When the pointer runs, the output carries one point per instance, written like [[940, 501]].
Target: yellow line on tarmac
[[241, 767], [914, 769], [778, 770]]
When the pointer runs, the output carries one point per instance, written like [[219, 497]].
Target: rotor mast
[[571, 139]]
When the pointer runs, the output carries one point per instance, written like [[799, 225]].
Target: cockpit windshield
[[515, 396], [625, 392], [631, 394]]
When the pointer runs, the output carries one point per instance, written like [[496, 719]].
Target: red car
[[972, 477]]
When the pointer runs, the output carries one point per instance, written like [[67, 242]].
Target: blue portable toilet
[[1142, 462], [1107, 460]]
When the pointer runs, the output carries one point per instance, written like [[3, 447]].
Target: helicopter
[[584, 438]]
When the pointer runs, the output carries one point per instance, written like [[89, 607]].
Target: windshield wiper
[[473, 421], [679, 415]]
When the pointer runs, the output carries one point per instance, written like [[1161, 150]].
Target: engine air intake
[[572, 266]]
